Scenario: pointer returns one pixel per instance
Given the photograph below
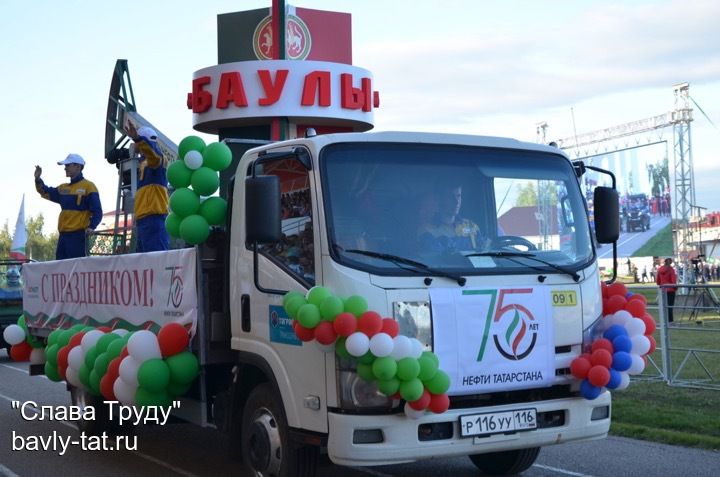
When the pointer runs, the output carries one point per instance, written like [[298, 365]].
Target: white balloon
[[381, 345], [413, 413], [129, 370], [37, 356], [143, 345], [640, 345], [72, 377], [124, 392], [357, 344], [13, 335], [76, 358], [325, 348], [621, 317], [89, 339], [402, 347], [120, 331], [416, 348], [638, 364], [635, 327], [624, 381], [193, 160]]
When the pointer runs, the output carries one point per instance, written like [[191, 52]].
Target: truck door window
[[296, 250]]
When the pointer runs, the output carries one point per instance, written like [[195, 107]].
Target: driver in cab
[[445, 232]]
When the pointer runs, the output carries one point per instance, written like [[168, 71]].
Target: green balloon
[[105, 340], [388, 387], [331, 307], [291, 294], [356, 305], [183, 367], [214, 209], [428, 368], [94, 382], [317, 294], [367, 358], [439, 383], [384, 368], [115, 348], [194, 229], [65, 336], [90, 357], [52, 372], [411, 390], [145, 397], [294, 304], [308, 315], [184, 202], [190, 143], [408, 368], [154, 375], [217, 156], [204, 181], [178, 389], [101, 364], [431, 355], [365, 371], [84, 375], [172, 224], [53, 337], [51, 354], [179, 174], [340, 348]]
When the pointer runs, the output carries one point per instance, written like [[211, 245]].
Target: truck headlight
[[356, 393], [415, 321]]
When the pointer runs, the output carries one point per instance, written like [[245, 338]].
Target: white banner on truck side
[[494, 339], [141, 290]]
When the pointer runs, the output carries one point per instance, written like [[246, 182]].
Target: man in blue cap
[[80, 207]]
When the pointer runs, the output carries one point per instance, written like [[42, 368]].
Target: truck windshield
[[425, 209]]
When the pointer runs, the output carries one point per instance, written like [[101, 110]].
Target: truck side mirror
[[607, 214], [262, 209]]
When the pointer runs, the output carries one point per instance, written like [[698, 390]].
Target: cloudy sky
[[478, 67]]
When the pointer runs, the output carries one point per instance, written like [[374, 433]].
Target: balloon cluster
[[626, 340], [193, 177], [396, 363], [135, 368], [23, 346]]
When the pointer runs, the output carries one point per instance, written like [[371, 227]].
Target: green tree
[[528, 193], [39, 247], [5, 241]]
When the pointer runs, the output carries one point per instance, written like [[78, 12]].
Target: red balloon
[[604, 289], [423, 402], [638, 296], [617, 289], [62, 356], [599, 376], [603, 343], [76, 338], [324, 333], [106, 387], [370, 323], [104, 329], [653, 344], [390, 327], [439, 403], [636, 308], [580, 367], [305, 334], [345, 324], [21, 351], [173, 338], [124, 353], [601, 357], [615, 303], [649, 324], [113, 368]]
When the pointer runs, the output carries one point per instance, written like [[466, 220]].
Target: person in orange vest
[[666, 276]]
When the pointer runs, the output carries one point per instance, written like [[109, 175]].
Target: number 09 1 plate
[[498, 422]]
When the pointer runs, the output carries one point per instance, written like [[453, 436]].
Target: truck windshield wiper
[[512, 255], [416, 266]]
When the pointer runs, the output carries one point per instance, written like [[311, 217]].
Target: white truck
[[362, 214]]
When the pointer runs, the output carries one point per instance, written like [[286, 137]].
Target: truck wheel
[[266, 447], [506, 462], [102, 422]]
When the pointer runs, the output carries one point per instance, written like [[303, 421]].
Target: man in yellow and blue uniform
[[80, 207], [151, 199]]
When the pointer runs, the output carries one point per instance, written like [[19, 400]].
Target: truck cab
[[369, 214]]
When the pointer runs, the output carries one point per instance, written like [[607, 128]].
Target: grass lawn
[[660, 245]]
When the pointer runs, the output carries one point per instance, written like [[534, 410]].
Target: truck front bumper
[[401, 441]]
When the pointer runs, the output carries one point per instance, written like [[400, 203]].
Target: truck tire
[[506, 462], [266, 447], [102, 422]]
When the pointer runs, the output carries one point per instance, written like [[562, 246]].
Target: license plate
[[498, 422]]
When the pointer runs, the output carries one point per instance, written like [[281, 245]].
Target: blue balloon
[[622, 343], [588, 391], [615, 379], [622, 360], [614, 331], [628, 295]]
